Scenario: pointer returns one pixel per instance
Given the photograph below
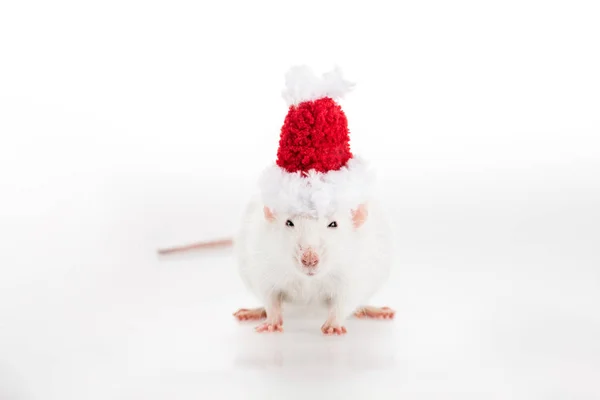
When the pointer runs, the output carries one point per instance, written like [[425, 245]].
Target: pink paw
[[333, 329], [375, 312], [253, 314], [270, 327]]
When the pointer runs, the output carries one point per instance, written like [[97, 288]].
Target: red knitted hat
[[314, 136], [315, 172]]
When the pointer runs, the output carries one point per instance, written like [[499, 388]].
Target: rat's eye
[[289, 223], [332, 225]]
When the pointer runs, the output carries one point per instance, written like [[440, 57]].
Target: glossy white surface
[[505, 313], [126, 126]]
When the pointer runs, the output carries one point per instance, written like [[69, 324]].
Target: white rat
[[314, 235], [339, 261]]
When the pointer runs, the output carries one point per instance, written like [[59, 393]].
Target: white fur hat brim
[[317, 194]]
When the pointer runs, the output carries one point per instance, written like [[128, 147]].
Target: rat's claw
[[269, 327]]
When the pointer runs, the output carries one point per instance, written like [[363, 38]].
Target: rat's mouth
[[310, 272]]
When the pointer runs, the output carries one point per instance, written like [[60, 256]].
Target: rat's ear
[[269, 215], [359, 216]]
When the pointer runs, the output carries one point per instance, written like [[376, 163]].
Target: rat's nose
[[310, 259]]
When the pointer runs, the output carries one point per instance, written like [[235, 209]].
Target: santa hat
[[315, 173]]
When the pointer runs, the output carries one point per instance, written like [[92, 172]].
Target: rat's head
[[315, 244]]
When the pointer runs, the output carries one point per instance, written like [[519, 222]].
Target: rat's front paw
[[270, 327], [332, 328]]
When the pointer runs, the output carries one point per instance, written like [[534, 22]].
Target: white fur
[[317, 194], [354, 263], [303, 85]]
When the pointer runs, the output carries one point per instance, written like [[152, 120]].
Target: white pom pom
[[303, 85]]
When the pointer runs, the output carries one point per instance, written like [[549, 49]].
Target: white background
[[131, 125]]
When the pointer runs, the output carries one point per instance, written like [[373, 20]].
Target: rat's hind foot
[[375, 312], [252, 314]]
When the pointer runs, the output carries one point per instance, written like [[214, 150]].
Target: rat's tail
[[196, 246]]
